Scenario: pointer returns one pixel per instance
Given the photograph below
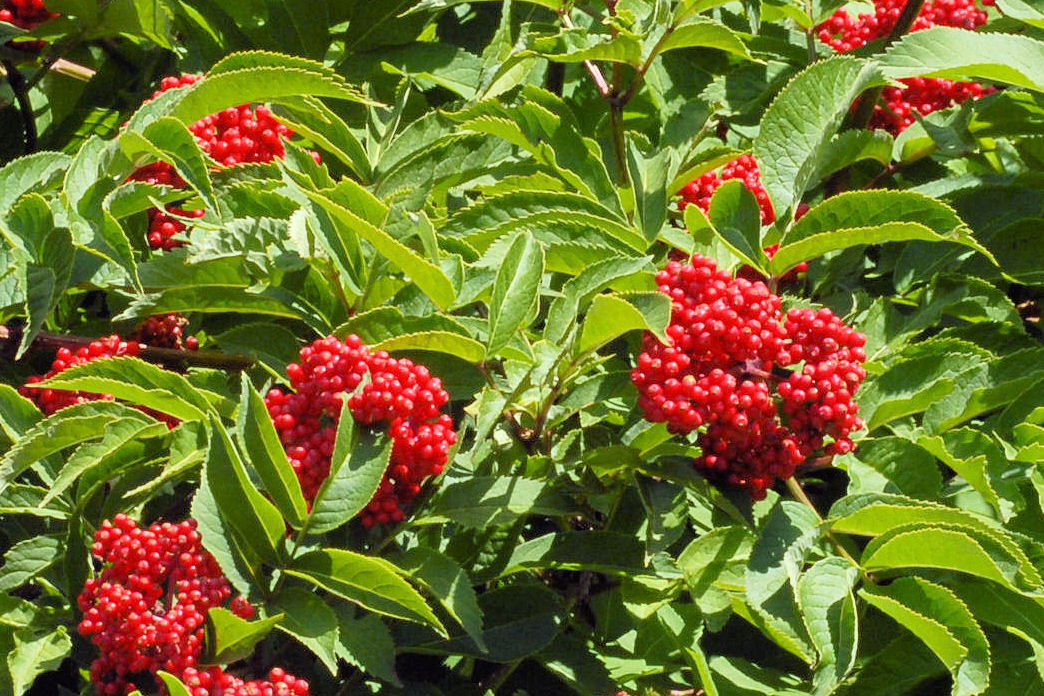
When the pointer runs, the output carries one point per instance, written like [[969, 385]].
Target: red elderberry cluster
[[146, 609], [400, 393], [237, 135], [745, 168], [921, 95], [51, 400], [165, 331], [728, 338]]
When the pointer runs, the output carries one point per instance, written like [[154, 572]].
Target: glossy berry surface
[[396, 393], [721, 373]]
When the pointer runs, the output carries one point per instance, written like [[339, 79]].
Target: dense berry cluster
[[921, 95], [234, 136], [146, 609], [165, 331], [405, 396], [745, 168], [52, 400], [719, 372], [25, 14]]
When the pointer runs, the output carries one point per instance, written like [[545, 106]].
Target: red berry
[[921, 95], [165, 331], [745, 168], [727, 338], [403, 396]]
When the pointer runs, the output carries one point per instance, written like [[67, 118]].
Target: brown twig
[[168, 357]]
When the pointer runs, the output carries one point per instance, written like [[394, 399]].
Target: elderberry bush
[[521, 348]]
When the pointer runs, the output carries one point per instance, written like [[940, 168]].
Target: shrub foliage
[[521, 348]]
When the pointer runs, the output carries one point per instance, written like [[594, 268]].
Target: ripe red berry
[[403, 396], [719, 373], [25, 14]]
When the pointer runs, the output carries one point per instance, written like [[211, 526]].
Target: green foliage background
[[484, 209]]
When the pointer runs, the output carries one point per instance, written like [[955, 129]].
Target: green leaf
[[736, 218], [828, 607], [357, 466], [320, 124], [515, 289], [219, 539], [450, 343], [46, 282], [243, 79], [579, 45], [17, 413], [786, 537], [27, 558], [856, 218], [445, 579], [611, 316], [980, 460], [372, 583], [926, 374], [551, 216], [509, 634], [255, 519], [427, 276], [935, 615], [956, 548], [311, 621], [36, 172], [117, 436], [230, 638], [713, 565], [367, 643], [1017, 615], [35, 654], [173, 684], [802, 120], [703, 32], [578, 290], [138, 382], [957, 54], [260, 442], [598, 551], [493, 501], [70, 426], [170, 141]]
